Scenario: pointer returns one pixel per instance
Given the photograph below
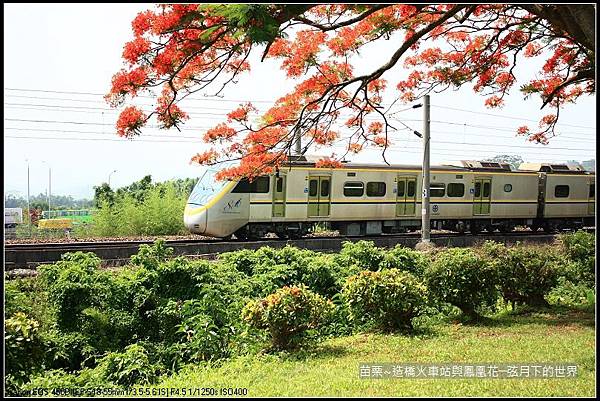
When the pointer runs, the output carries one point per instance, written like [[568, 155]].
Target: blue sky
[[58, 64]]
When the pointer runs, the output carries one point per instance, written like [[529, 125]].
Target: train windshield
[[206, 187]]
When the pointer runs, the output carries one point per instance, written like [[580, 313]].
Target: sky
[[59, 60]]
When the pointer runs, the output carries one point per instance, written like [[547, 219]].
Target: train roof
[[458, 166]]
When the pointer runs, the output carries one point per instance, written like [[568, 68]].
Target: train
[[371, 199], [13, 216]]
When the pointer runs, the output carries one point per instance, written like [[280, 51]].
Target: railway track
[[114, 253]]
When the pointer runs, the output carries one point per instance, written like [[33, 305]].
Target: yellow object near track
[[64, 224]]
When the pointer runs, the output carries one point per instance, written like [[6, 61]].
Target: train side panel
[[514, 196], [568, 196]]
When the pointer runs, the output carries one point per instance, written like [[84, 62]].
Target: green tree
[[514, 160]]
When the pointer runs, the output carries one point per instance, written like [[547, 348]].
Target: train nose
[[195, 219]]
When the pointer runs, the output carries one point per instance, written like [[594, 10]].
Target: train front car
[[214, 210]]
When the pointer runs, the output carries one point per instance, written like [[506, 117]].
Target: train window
[[375, 188], [410, 190], [354, 189], [437, 190], [592, 190], [477, 189], [507, 187], [456, 190], [561, 191], [279, 184], [313, 188], [260, 185], [324, 188], [401, 185], [486, 189]]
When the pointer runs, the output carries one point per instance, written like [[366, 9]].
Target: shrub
[[243, 260], [132, 366], [151, 256], [50, 383], [340, 321], [464, 279], [405, 259], [27, 295], [70, 350], [363, 254], [156, 211], [580, 248], [270, 269], [204, 331], [570, 294], [24, 350], [389, 298], [71, 283], [526, 273], [287, 314]]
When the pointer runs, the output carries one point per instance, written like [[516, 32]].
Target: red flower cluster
[[208, 157], [136, 48], [241, 113], [326, 162], [220, 132], [130, 122]]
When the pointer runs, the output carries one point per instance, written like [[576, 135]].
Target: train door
[[406, 196], [319, 196], [483, 196], [592, 197], [279, 196]]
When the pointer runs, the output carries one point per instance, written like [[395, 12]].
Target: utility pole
[[114, 171], [49, 192], [425, 218], [28, 204], [49, 188]]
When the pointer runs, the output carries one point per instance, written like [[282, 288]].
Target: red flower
[[130, 121], [326, 162]]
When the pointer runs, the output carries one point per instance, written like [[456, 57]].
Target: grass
[[557, 335]]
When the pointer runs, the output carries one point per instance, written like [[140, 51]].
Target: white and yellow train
[[360, 199]]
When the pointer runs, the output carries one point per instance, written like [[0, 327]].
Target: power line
[[396, 148], [207, 116], [504, 116], [498, 128], [97, 133], [219, 99], [123, 140], [109, 109], [214, 98], [89, 123]]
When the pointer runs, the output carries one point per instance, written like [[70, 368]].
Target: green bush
[[340, 320], [363, 254], [23, 347], [270, 269], [571, 294], [287, 314], [526, 273], [389, 298], [151, 256], [580, 248], [405, 259], [71, 287], [243, 260], [158, 212], [27, 295], [464, 279], [205, 330], [132, 366]]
